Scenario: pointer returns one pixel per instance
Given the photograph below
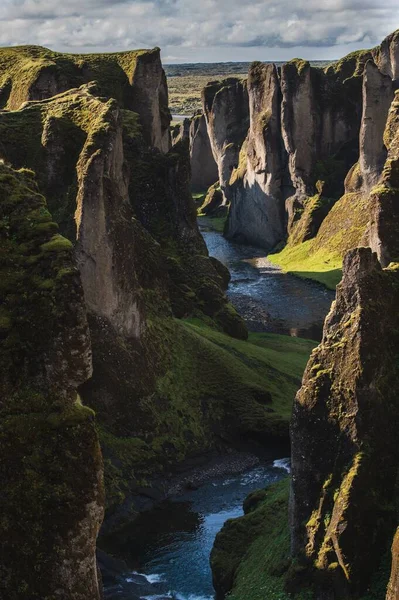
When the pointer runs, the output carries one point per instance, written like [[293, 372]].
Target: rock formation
[[181, 131], [377, 98], [213, 204], [51, 466], [308, 127], [204, 170], [345, 459], [257, 205], [226, 110], [158, 384], [135, 79], [341, 499]]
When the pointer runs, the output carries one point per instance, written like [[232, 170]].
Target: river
[[267, 298], [171, 544]]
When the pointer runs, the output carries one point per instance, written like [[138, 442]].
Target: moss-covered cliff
[[135, 79], [345, 461], [313, 151], [163, 390], [51, 467]]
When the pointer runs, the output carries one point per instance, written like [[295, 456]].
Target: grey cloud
[[196, 25]]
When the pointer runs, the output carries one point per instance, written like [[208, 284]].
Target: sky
[[201, 30]]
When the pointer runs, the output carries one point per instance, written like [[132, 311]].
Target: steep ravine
[[170, 544]]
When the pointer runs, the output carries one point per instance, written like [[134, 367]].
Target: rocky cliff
[[308, 128], [163, 389], [226, 110], [51, 465], [204, 170], [343, 500], [135, 79], [345, 461]]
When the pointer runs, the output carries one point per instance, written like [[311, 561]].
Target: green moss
[[51, 465], [57, 244], [21, 67], [239, 172], [322, 266], [320, 258], [251, 554], [210, 383], [299, 64]]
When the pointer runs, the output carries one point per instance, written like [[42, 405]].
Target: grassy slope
[[321, 258], [300, 260], [275, 361], [213, 383]]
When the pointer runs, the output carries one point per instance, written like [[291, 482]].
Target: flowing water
[[267, 298], [178, 535], [171, 544]]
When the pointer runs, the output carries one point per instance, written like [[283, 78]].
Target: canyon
[[124, 359]]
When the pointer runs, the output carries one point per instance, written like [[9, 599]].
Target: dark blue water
[[267, 298], [174, 555]]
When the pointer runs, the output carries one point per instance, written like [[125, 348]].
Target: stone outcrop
[[341, 498], [384, 225], [226, 110], [213, 204], [377, 99], [135, 79], [181, 131], [51, 466], [204, 170], [386, 56], [308, 128], [257, 205]]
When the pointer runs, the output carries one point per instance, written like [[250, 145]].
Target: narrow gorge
[[163, 291]]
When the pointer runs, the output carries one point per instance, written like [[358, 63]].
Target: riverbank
[[269, 299], [167, 550]]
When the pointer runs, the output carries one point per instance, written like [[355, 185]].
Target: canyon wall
[[308, 127], [341, 539], [51, 467], [121, 199]]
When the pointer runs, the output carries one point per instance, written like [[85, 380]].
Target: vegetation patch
[[320, 258]]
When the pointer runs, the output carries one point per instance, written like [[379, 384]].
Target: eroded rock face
[[51, 466], [377, 98], [129, 213], [257, 206], [226, 110], [341, 498], [204, 170], [387, 56], [384, 223], [320, 123], [150, 99], [182, 131]]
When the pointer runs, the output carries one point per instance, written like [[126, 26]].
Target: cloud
[[191, 27]]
